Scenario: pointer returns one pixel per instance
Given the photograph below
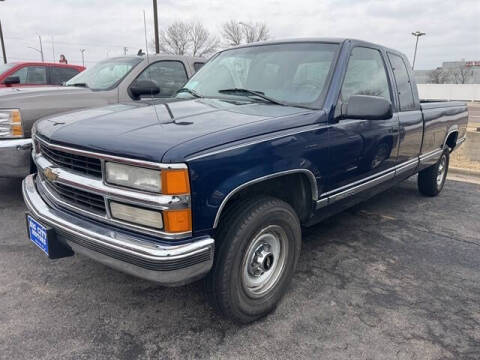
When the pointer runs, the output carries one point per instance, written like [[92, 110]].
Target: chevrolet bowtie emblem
[[50, 174]]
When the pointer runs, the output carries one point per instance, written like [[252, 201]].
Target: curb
[[462, 171]]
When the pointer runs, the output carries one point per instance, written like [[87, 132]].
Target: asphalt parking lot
[[397, 277]]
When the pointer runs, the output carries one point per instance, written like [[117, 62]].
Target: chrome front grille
[[72, 179], [76, 197], [82, 164]]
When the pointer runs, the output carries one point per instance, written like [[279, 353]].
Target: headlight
[[10, 123], [133, 177], [167, 181]]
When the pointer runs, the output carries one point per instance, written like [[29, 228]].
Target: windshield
[[105, 74], [5, 67], [293, 74]]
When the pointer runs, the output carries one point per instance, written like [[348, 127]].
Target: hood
[[13, 93], [147, 132]]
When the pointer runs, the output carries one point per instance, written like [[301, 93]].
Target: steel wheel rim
[[441, 171], [264, 261]]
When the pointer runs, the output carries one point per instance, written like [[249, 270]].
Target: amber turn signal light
[[175, 182], [176, 221]]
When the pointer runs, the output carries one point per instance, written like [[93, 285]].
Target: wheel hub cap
[[264, 261]]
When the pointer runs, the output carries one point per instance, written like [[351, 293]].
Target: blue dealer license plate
[[38, 234]]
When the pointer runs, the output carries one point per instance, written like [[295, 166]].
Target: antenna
[[145, 29]]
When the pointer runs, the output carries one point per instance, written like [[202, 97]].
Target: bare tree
[[232, 32], [462, 74], [255, 32], [187, 38], [437, 76], [235, 32], [202, 43]]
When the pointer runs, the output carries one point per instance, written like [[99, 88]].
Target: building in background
[[451, 72]]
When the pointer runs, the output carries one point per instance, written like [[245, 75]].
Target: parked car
[[269, 137], [111, 81], [19, 74]]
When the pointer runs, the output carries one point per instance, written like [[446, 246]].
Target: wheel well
[[294, 189], [452, 140]]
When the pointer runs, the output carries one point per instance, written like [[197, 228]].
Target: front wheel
[[431, 180], [259, 243]]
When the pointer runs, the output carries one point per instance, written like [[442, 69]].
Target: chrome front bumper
[[165, 264], [15, 157]]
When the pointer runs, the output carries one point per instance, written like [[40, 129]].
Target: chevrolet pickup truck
[[112, 81], [265, 139]]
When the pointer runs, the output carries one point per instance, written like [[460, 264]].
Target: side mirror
[[11, 80], [143, 87], [368, 108]]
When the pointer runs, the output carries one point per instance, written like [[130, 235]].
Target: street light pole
[[155, 22], [83, 57], [3, 44], [417, 34], [41, 47]]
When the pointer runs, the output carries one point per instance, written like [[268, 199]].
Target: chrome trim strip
[[430, 155], [120, 242], [105, 157], [359, 188], [406, 166], [358, 182], [364, 184], [311, 177], [253, 142]]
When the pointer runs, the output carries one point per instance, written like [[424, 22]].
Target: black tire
[[432, 179], [240, 230]]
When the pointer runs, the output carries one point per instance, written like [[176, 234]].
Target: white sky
[[104, 27]]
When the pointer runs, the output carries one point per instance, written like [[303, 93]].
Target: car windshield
[[292, 74], [5, 67], [105, 74]]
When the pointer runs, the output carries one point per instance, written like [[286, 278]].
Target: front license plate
[[38, 234]]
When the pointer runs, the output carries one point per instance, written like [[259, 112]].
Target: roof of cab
[[332, 40]]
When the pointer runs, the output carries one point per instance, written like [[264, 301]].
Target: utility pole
[[125, 49], [53, 49], [83, 57], [417, 34], [3, 44], [155, 22], [41, 47]]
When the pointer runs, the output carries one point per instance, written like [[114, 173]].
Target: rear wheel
[[431, 180], [259, 243]]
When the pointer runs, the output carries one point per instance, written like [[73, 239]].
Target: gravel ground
[[397, 277]]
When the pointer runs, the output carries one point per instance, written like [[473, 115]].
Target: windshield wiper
[[190, 91], [79, 84], [247, 92]]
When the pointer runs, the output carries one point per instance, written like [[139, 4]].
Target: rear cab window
[[59, 75], [198, 65], [402, 79]]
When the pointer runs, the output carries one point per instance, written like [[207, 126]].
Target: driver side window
[[169, 76], [365, 75]]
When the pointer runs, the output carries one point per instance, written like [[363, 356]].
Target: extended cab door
[[410, 115], [359, 149]]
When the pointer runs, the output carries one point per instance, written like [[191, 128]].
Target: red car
[[36, 73]]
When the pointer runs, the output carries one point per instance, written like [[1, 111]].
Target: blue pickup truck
[[265, 139]]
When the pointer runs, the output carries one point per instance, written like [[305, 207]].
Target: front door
[[360, 150]]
